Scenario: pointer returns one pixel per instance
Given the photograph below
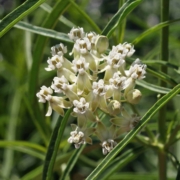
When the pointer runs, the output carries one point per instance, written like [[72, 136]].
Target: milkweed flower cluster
[[93, 82]]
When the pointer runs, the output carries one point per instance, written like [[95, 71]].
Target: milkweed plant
[[94, 81], [104, 101]]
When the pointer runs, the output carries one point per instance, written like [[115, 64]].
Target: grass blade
[[152, 87], [8, 158], [122, 161], [153, 29], [54, 146], [154, 109], [23, 144], [72, 162], [42, 31], [64, 20], [119, 16], [20, 12], [160, 62]]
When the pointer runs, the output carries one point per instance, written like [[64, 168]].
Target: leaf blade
[[54, 145], [119, 16], [16, 15]]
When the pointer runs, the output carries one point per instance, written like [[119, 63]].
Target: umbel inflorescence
[[93, 83]]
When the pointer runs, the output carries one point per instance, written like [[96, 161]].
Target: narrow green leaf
[[49, 22], [43, 31], [20, 12], [119, 16], [152, 87], [154, 109], [160, 62], [28, 151], [159, 74], [64, 20], [36, 174], [153, 29], [72, 162], [122, 161], [8, 157], [54, 146], [134, 176], [23, 144]]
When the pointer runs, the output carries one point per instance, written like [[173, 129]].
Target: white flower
[[118, 84], [114, 62], [44, 94], [55, 62], [76, 33], [82, 46], [81, 106], [129, 49], [80, 65], [117, 81], [58, 49], [60, 84], [99, 88], [80, 136], [137, 70], [82, 112], [108, 145], [92, 37], [115, 59], [77, 138], [124, 49]]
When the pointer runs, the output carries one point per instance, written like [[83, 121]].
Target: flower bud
[[134, 96], [101, 44], [114, 107]]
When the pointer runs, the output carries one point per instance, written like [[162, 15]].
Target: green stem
[[162, 158], [122, 25]]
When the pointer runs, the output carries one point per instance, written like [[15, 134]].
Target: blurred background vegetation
[[18, 118]]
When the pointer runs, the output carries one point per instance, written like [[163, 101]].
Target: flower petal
[[49, 112]]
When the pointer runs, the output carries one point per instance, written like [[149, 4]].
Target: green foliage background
[[26, 36]]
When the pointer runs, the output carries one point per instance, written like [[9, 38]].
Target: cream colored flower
[[76, 33], [137, 70], [80, 136], [44, 94], [58, 49], [82, 112]]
